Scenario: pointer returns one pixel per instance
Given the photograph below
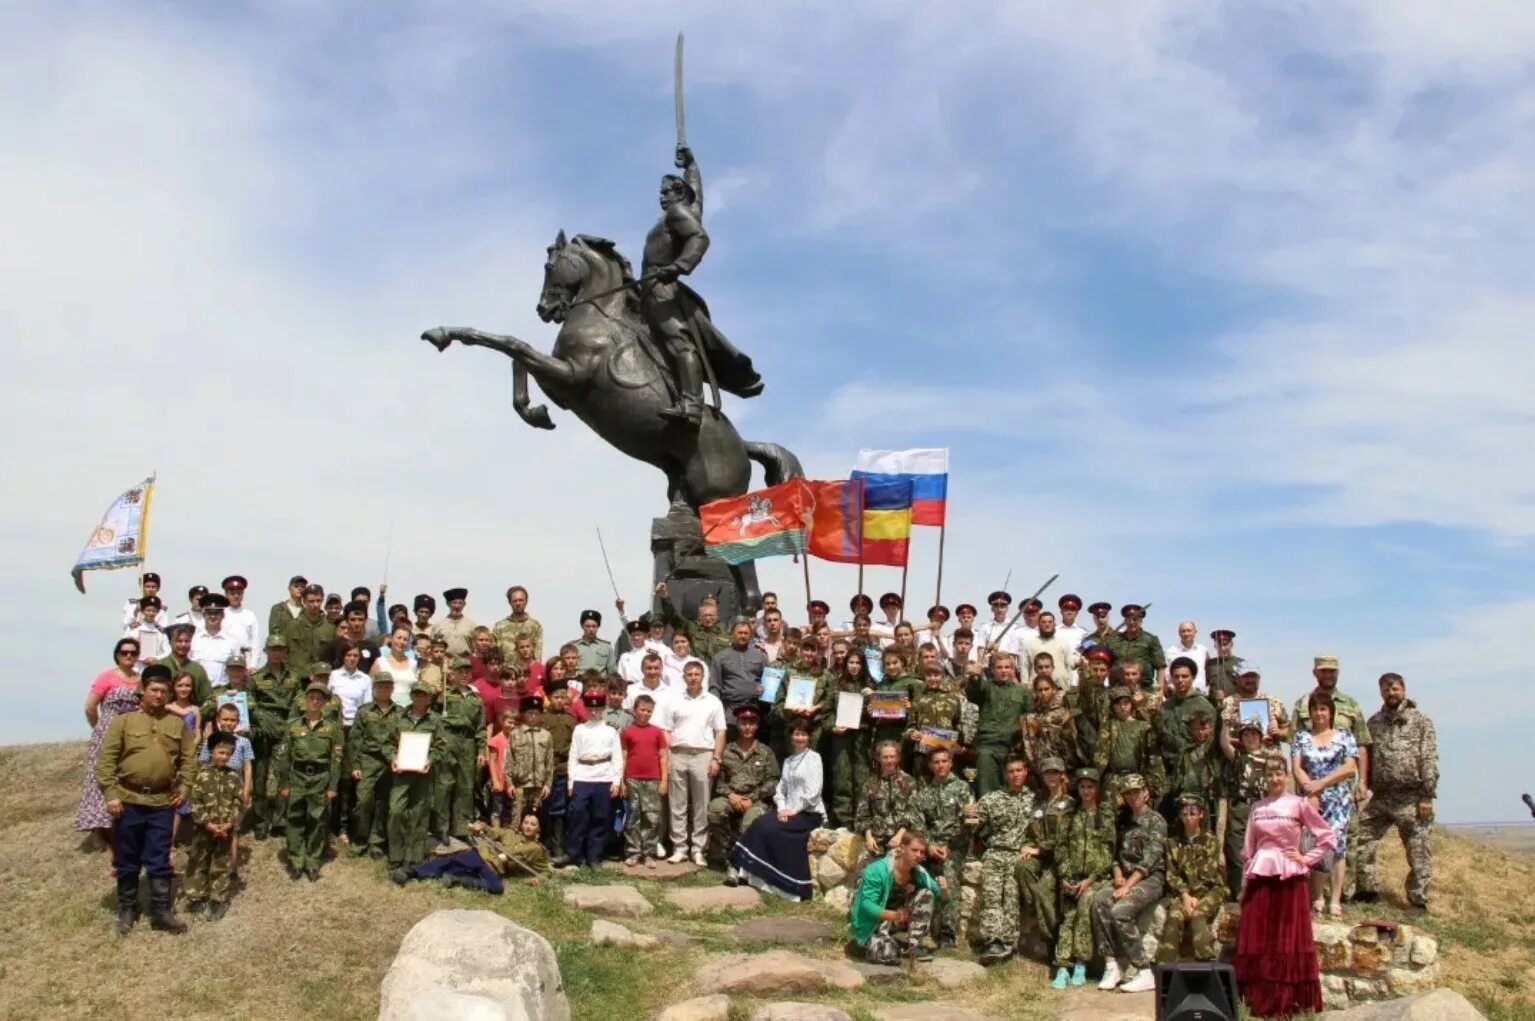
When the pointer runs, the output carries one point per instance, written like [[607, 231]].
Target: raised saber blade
[[682, 123]]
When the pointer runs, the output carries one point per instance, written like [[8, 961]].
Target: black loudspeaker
[[1196, 991]]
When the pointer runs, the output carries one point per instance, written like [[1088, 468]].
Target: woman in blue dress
[[1325, 764]]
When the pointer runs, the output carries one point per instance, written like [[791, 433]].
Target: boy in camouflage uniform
[[940, 810], [1049, 731], [1198, 769], [308, 775], [1002, 703], [1086, 859], [529, 766], [1196, 886], [1140, 868], [1127, 746], [217, 805], [1241, 786], [370, 745], [933, 707], [1002, 819]]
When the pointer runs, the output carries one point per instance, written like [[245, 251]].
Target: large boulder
[[1439, 1005], [467, 966]]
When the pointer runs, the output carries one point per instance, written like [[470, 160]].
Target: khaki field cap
[[1325, 663]]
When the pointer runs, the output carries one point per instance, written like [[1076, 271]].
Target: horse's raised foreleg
[[537, 417], [546, 369]]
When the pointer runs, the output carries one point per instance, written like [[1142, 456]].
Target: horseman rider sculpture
[[677, 316]]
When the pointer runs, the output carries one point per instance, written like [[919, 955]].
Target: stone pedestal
[[677, 551]]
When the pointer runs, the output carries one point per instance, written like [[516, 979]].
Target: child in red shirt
[[645, 771]]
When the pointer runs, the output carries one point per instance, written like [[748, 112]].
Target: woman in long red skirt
[[1276, 963]]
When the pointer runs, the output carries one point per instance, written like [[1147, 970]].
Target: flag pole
[[938, 590], [904, 568], [805, 562]]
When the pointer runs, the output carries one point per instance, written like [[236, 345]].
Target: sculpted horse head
[[586, 270]]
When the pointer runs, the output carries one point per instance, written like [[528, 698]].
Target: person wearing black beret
[[149, 585]]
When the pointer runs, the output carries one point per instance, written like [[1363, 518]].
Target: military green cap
[[383, 677], [421, 687], [459, 663], [1118, 692], [1088, 773], [1052, 765], [276, 641], [317, 668], [1191, 799], [317, 686], [1132, 782], [238, 659]]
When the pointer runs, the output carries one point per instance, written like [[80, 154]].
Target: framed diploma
[[801, 694], [772, 680], [414, 753], [1255, 709], [849, 709]]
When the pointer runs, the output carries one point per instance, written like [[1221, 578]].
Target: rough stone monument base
[[690, 574]]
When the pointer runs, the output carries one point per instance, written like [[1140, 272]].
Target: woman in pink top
[[113, 692], [1276, 964]]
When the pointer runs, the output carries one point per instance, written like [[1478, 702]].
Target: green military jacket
[[307, 639], [751, 774], [431, 723], [596, 654], [217, 795], [1089, 705], [825, 695], [1145, 649], [1194, 867], [272, 696], [1052, 734], [1001, 706], [1130, 746], [938, 708], [706, 641], [887, 805], [506, 631], [560, 727], [1087, 852], [1143, 847], [146, 758], [202, 688], [1243, 782], [308, 753], [511, 854], [277, 618], [463, 714], [1221, 676], [530, 757], [1200, 770], [374, 737], [1005, 817], [1052, 821], [940, 811], [1172, 724]]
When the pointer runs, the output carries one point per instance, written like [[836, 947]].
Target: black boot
[[162, 912], [127, 903], [557, 856]]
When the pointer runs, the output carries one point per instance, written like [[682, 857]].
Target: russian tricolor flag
[[926, 469]]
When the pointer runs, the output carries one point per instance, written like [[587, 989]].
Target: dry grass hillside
[[300, 951]]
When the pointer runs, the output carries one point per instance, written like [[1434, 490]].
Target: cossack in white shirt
[[211, 652], [596, 755], [662, 695]]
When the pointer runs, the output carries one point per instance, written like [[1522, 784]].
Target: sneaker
[[993, 953], [732, 878], [197, 908], [700, 860], [660, 849], [1142, 981], [1111, 974], [677, 857], [1059, 982], [1079, 975]]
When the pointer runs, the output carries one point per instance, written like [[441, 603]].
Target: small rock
[[1439, 1005], [800, 1012], [618, 900], [702, 1008], [702, 899], [1410, 981], [1366, 934], [612, 934], [783, 930], [951, 973], [673, 938], [821, 841], [1425, 951], [1334, 992], [661, 871], [774, 973], [839, 899], [1367, 988], [877, 974], [848, 851], [935, 1011], [828, 873], [1370, 959]]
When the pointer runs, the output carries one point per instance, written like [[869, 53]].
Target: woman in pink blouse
[[114, 691], [1276, 962]]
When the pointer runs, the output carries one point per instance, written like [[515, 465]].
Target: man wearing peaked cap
[[213, 645], [988, 633], [861, 603], [308, 777], [592, 652], [1066, 626], [282, 612], [149, 585], [1134, 644], [370, 746], [456, 628], [274, 688], [1222, 665], [596, 773], [410, 793], [240, 622], [818, 607]]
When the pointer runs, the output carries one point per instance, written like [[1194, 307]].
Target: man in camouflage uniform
[[410, 793], [1405, 782], [1247, 681], [370, 747], [932, 707], [1133, 644], [1241, 786], [706, 635], [1196, 887], [744, 786], [1173, 717], [463, 734], [217, 805], [1199, 768], [1127, 746], [1002, 820], [1047, 834], [1085, 859], [273, 690], [308, 776], [1049, 731], [518, 624], [1140, 870], [1348, 715], [940, 810], [1002, 702], [529, 766]]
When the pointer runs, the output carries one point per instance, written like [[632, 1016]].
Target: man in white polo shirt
[[695, 726], [650, 683]]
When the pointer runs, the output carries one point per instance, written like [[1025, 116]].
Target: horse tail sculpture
[[778, 463]]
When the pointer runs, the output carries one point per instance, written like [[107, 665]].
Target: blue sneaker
[[1079, 975], [1060, 979]]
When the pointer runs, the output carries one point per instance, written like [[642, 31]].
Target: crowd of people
[[1092, 771]]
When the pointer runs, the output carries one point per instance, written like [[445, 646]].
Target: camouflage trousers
[[998, 914], [1037, 883], [725, 824], [887, 943], [848, 772], [209, 863], [1393, 810], [644, 826], [1200, 929], [1114, 924], [952, 869], [1237, 813], [1074, 943]]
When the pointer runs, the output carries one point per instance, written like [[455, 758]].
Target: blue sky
[[1221, 308]]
